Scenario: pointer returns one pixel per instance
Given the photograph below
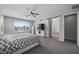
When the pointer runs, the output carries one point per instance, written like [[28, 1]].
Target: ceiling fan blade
[[28, 15], [36, 14], [33, 15]]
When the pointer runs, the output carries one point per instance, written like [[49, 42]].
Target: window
[[21, 25]]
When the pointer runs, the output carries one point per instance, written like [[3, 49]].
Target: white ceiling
[[45, 10]]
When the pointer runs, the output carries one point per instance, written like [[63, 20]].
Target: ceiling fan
[[34, 12]]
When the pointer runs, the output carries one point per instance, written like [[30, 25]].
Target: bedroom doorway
[[55, 28], [70, 27]]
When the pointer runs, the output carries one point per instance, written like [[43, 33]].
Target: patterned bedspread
[[8, 46]]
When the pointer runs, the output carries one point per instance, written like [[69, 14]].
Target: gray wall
[[1, 25], [71, 27], [8, 25]]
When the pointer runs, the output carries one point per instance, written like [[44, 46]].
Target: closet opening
[[55, 28], [70, 27]]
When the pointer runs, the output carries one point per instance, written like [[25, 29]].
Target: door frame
[[52, 23]]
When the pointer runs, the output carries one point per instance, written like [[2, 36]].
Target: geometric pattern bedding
[[8, 47]]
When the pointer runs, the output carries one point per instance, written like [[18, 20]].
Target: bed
[[18, 43]]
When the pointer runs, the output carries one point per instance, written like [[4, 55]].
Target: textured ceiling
[[45, 10]]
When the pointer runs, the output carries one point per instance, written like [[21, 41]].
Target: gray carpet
[[51, 46]]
